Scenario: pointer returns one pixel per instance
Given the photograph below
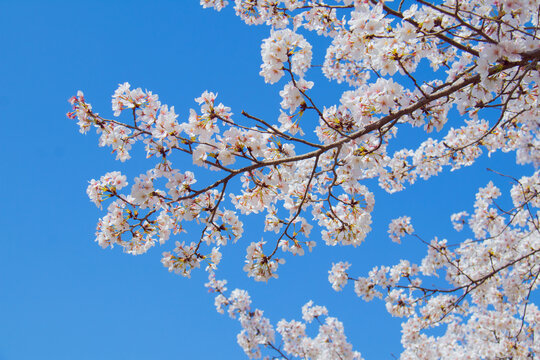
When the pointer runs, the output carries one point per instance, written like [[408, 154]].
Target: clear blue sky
[[63, 297]]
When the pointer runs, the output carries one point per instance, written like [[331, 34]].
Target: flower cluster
[[284, 49], [399, 227], [257, 331], [338, 276]]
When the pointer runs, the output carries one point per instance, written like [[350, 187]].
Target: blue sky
[[61, 295]]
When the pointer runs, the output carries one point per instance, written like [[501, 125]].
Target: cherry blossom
[[409, 64]]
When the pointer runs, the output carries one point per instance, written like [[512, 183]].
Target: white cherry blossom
[[311, 170]]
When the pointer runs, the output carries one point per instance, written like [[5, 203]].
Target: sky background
[[61, 295]]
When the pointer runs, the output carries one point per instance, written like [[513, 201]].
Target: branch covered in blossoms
[[486, 308], [413, 64], [258, 333]]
